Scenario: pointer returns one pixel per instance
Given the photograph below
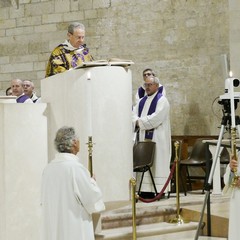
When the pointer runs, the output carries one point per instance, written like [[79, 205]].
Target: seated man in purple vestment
[[17, 90], [28, 88]]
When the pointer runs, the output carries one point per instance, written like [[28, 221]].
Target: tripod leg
[[208, 185]]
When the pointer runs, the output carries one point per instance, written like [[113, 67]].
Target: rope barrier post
[[178, 219], [133, 191]]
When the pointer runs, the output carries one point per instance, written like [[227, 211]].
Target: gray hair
[[30, 82], [17, 80], [155, 80], [74, 25], [64, 139]]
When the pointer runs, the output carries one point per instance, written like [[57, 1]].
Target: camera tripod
[[226, 120]]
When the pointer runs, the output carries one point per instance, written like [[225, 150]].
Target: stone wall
[[183, 40]]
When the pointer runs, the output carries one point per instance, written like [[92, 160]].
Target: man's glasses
[[78, 37], [148, 74]]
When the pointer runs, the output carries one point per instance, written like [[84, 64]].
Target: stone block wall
[[183, 40]]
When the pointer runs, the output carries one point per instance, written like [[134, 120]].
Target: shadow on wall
[[195, 121]]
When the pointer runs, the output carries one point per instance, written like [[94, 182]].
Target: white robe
[[160, 121], [69, 196], [234, 208]]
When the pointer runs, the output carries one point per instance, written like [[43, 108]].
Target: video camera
[[229, 95]]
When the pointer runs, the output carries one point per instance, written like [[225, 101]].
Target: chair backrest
[[225, 156], [179, 151], [200, 152], [143, 155]]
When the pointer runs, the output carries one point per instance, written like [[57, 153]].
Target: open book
[[108, 62]]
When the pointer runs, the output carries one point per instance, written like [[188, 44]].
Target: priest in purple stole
[[152, 117]]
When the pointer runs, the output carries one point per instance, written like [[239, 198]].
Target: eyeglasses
[[148, 84], [147, 74], [77, 37]]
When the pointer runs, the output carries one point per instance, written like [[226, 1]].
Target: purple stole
[[141, 91], [22, 99], [152, 108]]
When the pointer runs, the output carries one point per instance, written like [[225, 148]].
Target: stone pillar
[[23, 155]]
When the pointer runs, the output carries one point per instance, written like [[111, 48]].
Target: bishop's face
[[77, 37]]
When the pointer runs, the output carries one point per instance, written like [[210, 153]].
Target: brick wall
[[183, 40]]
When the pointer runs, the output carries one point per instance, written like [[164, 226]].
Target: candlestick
[[90, 150]]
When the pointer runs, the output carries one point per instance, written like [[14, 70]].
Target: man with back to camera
[[70, 53], [69, 194], [151, 117]]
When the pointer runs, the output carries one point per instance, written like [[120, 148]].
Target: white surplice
[[69, 196], [160, 121], [234, 207]]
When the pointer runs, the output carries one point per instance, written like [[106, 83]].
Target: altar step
[[153, 220], [156, 231]]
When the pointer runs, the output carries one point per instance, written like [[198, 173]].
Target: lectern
[[97, 102]]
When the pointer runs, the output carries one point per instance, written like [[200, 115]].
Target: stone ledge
[[148, 230]]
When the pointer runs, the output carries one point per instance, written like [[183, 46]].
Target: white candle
[[233, 123], [89, 104]]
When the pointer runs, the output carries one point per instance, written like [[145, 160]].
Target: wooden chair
[[143, 158]]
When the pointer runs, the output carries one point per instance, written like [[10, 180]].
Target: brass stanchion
[[133, 191], [90, 150], [234, 153], [178, 219]]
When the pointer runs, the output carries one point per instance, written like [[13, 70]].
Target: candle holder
[[90, 150]]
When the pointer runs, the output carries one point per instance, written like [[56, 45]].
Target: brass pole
[[90, 150], [234, 153], [133, 188], [178, 219]]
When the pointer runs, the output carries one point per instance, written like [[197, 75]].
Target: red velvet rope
[[163, 189]]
